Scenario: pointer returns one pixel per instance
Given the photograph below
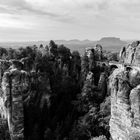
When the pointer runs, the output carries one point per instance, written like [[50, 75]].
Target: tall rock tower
[[124, 84]]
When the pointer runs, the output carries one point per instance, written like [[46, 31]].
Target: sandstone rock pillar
[[125, 104], [14, 85]]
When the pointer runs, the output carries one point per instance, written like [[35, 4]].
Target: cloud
[[22, 6], [61, 18], [14, 21], [71, 10]]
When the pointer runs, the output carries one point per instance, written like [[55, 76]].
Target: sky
[[34, 20]]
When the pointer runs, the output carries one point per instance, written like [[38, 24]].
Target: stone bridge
[[123, 65], [113, 64], [116, 64], [119, 65]]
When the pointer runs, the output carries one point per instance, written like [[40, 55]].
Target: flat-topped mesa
[[131, 54], [124, 84]]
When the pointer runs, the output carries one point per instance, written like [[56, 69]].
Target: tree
[[84, 68], [64, 53], [10, 53], [3, 52], [53, 48], [113, 57]]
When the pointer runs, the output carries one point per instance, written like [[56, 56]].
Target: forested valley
[[67, 95]]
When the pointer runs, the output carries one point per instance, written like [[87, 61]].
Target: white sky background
[[26, 20]]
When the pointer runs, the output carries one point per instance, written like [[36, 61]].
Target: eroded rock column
[[124, 84], [15, 84]]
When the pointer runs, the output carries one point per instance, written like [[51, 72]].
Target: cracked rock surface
[[124, 84]]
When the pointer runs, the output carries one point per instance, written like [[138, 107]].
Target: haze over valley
[[109, 43]]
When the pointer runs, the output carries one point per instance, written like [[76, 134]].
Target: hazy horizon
[[108, 43], [93, 40]]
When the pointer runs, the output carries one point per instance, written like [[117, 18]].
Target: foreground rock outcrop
[[22, 95], [15, 84], [125, 104], [124, 85]]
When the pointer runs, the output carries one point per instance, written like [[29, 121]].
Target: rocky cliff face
[[125, 103], [16, 98], [131, 54], [95, 52], [124, 84]]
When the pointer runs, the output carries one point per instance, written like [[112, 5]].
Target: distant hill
[[112, 43], [111, 40], [109, 43]]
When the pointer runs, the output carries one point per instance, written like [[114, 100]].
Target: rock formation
[[22, 94], [131, 54], [102, 85], [98, 51], [89, 62], [95, 51], [124, 84], [15, 84], [44, 86]]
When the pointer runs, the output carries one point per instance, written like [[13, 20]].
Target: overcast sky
[[26, 20]]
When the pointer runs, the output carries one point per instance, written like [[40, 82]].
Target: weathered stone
[[122, 54], [89, 52], [98, 51], [4, 65], [15, 83], [131, 54], [102, 85], [125, 101], [95, 52], [4, 131]]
